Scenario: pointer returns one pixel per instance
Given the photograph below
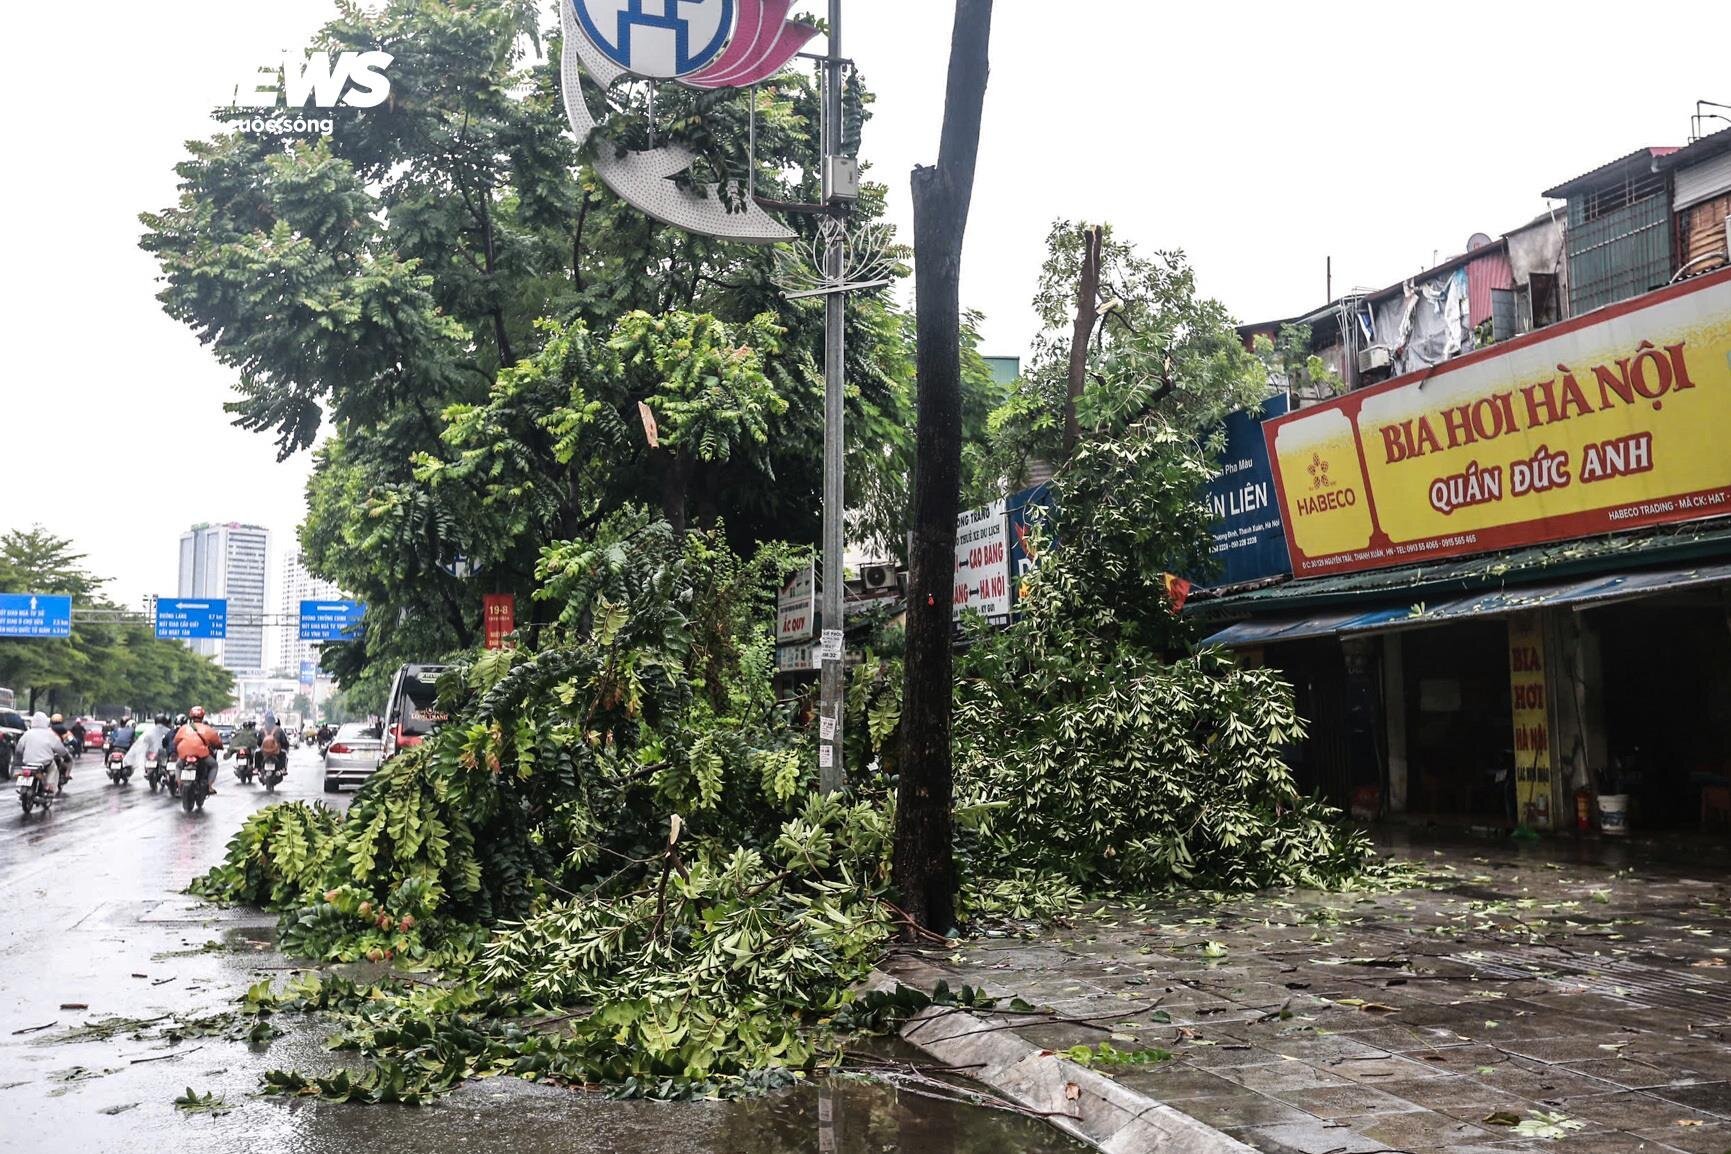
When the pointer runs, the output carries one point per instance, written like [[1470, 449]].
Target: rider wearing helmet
[[150, 743], [243, 744], [57, 724], [274, 743], [198, 742], [42, 750]]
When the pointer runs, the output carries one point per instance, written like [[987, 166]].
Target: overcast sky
[[1260, 137]]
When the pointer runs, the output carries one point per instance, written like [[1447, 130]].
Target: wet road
[[93, 918]]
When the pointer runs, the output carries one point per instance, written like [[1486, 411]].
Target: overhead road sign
[[35, 615], [330, 620], [184, 620]]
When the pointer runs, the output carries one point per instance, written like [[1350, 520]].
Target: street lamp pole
[[832, 772]]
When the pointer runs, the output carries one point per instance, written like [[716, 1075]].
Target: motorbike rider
[[57, 723], [196, 741], [274, 743], [79, 733], [149, 742], [122, 736], [42, 750], [243, 745]]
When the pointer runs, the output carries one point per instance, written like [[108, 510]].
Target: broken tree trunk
[[924, 864], [1087, 316]]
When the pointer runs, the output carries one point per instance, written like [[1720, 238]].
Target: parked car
[[411, 712], [353, 756], [12, 727]]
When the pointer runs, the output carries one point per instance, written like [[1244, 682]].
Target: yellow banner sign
[[1532, 711], [1613, 421]]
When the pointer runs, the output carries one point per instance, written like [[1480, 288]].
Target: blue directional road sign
[[205, 620], [309, 672], [330, 620], [35, 615]]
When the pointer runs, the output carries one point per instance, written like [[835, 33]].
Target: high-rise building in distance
[[298, 585], [229, 561]]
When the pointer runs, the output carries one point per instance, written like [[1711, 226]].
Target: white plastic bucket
[[1614, 814]]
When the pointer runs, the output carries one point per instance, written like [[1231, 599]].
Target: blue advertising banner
[[205, 620], [1030, 510], [1249, 536], [330, 620], [35, 615]]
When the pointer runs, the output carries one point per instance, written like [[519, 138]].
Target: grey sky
[[1261, 138]]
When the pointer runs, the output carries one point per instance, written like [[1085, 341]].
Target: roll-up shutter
[[1703, 181]]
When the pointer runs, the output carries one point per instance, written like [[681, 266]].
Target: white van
[[411, 712]]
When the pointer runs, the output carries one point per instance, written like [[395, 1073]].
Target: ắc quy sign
[[1614, 421]]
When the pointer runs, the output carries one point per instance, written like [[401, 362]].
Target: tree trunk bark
[[675, 477], [924, 860], [1087, 316]]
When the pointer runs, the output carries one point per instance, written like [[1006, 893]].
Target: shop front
[[1511, 602]]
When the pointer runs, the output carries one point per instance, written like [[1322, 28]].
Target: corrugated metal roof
[[1641, 159], [1704, 149], [1498, 248], [1598, 590], [1631, 552]]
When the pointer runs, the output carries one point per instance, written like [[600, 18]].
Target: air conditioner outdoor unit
[[879, 578], [1375, 357]]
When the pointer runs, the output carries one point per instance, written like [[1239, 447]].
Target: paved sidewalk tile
[[1590, 982]]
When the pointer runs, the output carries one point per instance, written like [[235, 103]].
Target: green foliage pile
[[1089, 746], [279, 853], [619, 829]]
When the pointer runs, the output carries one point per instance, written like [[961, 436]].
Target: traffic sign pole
[[832, 769]]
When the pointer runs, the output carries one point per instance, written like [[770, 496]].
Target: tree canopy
[[443, 304], [1160, 348]]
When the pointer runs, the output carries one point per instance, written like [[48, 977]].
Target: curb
[[1084, 1103]]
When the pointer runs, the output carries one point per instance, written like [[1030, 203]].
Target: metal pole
[[832, 773]]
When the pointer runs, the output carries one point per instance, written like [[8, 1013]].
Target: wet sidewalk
[[1559, 997]]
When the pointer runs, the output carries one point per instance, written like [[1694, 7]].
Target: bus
[[411, 712]]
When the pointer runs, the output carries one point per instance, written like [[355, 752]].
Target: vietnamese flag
[[1177, 590]]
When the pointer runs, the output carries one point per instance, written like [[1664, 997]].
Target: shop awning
[[1591, 593], [1266, 631]]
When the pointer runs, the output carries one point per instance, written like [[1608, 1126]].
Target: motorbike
[[154, 770], [244, 765], [32, 787], [190, 785], [114, 760], [272, 771]]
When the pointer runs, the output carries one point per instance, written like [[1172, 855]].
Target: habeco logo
[[658, 39], [321, 82]]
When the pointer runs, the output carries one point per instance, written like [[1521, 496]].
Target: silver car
[[353, 756]]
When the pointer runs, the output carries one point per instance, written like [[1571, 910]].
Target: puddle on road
[[507, 1115]]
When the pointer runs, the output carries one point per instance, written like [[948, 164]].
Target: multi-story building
[[1490, 545], [230, 561], [298, 585]]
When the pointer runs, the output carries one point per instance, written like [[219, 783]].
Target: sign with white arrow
[[330, 620], [205, 620], [35, 615]]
